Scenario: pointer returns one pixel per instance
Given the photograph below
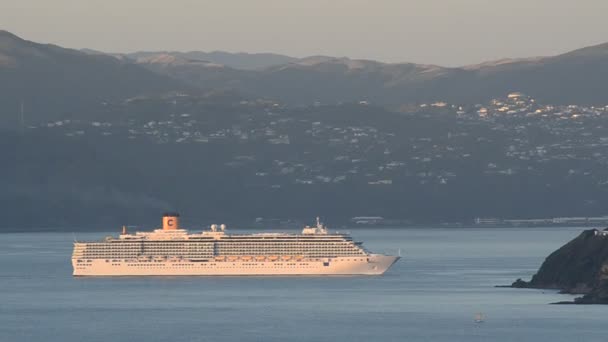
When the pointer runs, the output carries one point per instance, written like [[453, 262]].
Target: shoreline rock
[[579, 267]]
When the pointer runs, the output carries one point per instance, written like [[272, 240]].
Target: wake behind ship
[[173, 251]]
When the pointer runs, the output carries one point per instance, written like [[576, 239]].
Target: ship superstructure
[[171, 250]]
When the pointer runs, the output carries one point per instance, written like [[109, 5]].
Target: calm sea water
[[432, 294]]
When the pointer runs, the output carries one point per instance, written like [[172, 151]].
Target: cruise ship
[[173, 251]]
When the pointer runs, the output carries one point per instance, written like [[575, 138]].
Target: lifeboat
[[220, 258], [246, 258], [299, 257], [260, 258], [232, 258], [286, 257], [273, 257]]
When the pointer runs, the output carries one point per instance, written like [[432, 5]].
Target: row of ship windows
[[208, 255], [152, 262], [281, 253], [197, 243], [225, 248], [228, 253], [189, 242], [242, 251], [121, 248], [211, 245], [231, 251], [182, 241], [193, 255], [285, 246], [238, 267], [219, 250], [249, 243], [248, 252], [222, 252], [184, 245], [213, 265]]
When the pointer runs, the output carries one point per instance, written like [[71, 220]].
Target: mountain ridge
[[238, 60], [54, 82], [572, 77]]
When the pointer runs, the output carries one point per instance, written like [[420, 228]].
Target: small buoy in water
[[479, 318]]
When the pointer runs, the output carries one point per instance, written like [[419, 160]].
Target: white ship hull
[[374, 264]]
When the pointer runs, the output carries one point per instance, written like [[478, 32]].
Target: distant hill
[[575, 77], [199, 73], [55, 82], [242, 60]]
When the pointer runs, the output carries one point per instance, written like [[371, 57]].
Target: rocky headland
[[578, 267]]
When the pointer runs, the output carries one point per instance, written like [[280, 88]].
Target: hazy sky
[[447, 32]]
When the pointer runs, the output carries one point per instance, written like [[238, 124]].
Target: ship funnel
[[170, 221]]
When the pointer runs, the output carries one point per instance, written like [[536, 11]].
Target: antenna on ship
[[320, 227], [124, 230]]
